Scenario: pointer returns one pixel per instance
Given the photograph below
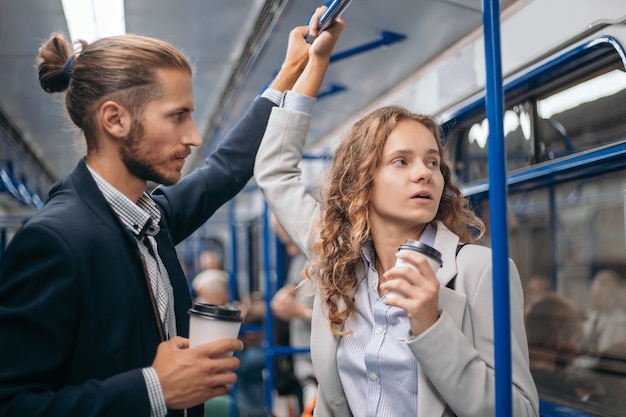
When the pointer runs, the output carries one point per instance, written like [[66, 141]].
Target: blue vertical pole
[[498, 210], [232, 222], [269, 324]]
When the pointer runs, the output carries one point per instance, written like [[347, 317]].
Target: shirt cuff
[[158, 408], [273, 95], [410, 337], [298, 102]]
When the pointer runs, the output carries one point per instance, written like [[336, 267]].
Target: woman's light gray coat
[[455, 355]]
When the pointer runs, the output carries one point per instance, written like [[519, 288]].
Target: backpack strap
[[452, 282]]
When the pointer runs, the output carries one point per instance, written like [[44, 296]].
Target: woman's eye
[[433, 163], [398, 162]]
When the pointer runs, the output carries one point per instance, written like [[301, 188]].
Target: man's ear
[[115, 119]]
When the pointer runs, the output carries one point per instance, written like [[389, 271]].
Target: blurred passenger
[[210, 260], [554, 327], [250, 391], [537, 286], [212, 286], [93, 317], [428, 352], [606, 325], [293, 303]]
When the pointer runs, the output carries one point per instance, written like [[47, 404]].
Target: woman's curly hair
[[344, 226]]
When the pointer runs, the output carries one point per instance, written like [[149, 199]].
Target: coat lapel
[[324, 346], [429, 402]]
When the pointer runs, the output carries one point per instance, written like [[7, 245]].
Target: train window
[[582, 116], [571, 104], [565, 133], [575, 288], [470, 142]]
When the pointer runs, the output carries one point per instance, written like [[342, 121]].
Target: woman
[[430, 351]]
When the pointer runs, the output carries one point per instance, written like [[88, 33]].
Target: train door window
[[584, 115], [592, 271], [589, 231], [529, 223], [567, 230], [577, 330], [572, 237]]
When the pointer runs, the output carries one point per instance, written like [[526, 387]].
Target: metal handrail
[[497, 209]]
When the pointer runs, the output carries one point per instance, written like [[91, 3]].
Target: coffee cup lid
[[215, 311], [421, 247]]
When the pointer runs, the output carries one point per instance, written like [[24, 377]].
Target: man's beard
[[138, 165]]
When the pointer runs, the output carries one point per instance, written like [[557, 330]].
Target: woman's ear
[[114, 119]]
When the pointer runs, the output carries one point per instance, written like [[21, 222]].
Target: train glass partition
[[565, 135]]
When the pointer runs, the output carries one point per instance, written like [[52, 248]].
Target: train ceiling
[[237, 46]]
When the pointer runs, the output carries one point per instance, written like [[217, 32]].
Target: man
[[211, 286], [93, 301]]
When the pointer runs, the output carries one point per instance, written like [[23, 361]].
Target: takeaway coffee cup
[[211, 322], [432, 255]]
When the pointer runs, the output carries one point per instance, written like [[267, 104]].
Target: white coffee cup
[[431, 254], [211, 322]]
